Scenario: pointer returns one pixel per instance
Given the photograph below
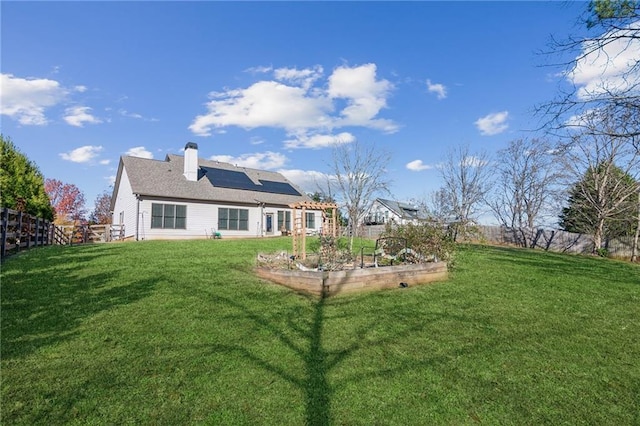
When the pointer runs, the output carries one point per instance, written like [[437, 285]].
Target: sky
[[274, 85]]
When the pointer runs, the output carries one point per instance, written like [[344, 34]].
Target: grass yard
[[175, 333]]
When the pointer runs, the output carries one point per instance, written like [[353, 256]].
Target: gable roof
[[217, 181], [403, 210]]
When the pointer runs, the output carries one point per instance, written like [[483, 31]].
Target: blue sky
[[273, 84]]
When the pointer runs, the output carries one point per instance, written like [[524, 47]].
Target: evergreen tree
[[21, 183], [582, 214]]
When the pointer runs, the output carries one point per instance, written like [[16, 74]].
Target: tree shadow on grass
[[552, 264], [303, 332], [44, 307], [306, 344]]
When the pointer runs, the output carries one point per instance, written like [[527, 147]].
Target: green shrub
[[428, 239]]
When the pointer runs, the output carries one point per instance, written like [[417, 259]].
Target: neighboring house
[[383, 211], [188, 197]]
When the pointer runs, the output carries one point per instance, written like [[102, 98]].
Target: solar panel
[[229, 179], [239, 180], [278, 187]]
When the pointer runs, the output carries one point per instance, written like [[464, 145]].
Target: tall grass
[[183, 332]]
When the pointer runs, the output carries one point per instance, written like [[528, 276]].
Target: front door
[[269, 224]]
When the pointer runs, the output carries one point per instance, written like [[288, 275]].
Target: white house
[[383, 211], [188, 197]]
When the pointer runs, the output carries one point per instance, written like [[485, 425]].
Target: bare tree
[[359, 172], [601, 77], [603, 69], [602, 159], [437, 206], [525, 188], [636, 237], [466, 180]]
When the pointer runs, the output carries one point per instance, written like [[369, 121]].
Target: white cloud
[[319, 141], [365, 96], [304, 78], [105, 162], [84, 154], [299, 103], [418, 165], [139, 151], [111, 179], [580, 120], [26, 100], [125, 113], [78, 115], [437, 88], [264, 104], [260, 69], [308, 180], [261, 160], [608, 68], [493, 123]]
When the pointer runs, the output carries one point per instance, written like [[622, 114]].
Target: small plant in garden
[[333, 253]]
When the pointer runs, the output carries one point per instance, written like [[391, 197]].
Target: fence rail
[[21, 231], [555, 240], [545, 239]]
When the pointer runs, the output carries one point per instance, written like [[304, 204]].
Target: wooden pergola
[[299, 235]]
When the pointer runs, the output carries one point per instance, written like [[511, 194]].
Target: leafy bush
[[430, 240]]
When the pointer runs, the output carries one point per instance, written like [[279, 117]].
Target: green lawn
[[182, 332]]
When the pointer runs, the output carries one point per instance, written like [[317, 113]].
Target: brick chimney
[[191, 161]]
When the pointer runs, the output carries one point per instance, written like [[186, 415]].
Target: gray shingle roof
[[165, 179], [404, 210]]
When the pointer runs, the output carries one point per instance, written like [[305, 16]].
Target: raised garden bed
[[330, 283]]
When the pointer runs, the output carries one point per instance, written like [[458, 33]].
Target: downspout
[[261, 204], [137, 215]]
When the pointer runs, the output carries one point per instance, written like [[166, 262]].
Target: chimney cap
[[191, 145]]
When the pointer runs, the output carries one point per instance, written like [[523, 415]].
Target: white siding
[[382, 213], [201, 220], [125, 203]]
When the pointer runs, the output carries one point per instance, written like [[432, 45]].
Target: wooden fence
[[545, 239], [555, 240], [21, 231], [82, 234]]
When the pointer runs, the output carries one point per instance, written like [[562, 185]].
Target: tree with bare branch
[[526, 187], [601, 78], [604, 164], [359, 172], [466, 180], [603, 69], [636, 237]]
